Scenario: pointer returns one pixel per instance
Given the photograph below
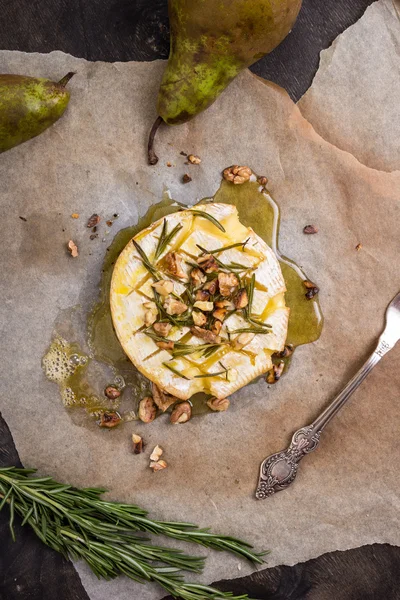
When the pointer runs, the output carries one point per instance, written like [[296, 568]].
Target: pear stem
[[152, 156], [63, 82]]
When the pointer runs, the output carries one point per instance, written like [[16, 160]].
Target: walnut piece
[[211, 286], [156, 454], [237, 175], [163, 287], [225, 304], [186, 178], [93, 221], [181, 413], [208, 263], [109, 419], [72, 248], [262, 180], [274, 374], [312, 289], [197, 276], [206, 306], [228, 283], [241, 300], [202, 295], [194, 159], [310, 229], [218, 404], [220, 314], [158, 466], [137, 444], [173, 264], [163, 401], [216, 327], [162, 328], [286, 352], [206, 335], [174, 306], [112, 392], [166, 345], [147, 409], [198, 318], [242, 340]]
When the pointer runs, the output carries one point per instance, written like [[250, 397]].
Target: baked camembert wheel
[[197, 302]]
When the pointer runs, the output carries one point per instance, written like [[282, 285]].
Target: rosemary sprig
[[237, 245], [211, 374], [222, 265], [250, 294], [175, 371], [166, 238], [181, 349], [204, 215], [79, 525], [264, 329], [145, 260]]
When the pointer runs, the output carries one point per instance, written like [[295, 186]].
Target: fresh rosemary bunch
[[77, 523]]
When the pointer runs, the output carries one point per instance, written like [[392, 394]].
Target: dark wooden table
[[122, 30]]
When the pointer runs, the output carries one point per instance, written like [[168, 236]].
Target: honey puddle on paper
[[85, 355]]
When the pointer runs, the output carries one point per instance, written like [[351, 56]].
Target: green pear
[[211, 42], [28, 106]]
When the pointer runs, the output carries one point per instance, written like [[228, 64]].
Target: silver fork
[[279, 470]]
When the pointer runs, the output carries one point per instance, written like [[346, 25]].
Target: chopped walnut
[[163, 287], [166, 345], [181, 413], [194, 159], [156, 454], [147, 409], [242, 340], [216, 327], [312, 289], [173, 263], [211, 286], [174, 307], [110, 419], [93, 221], [150, 316], [274, 374], [237, 174], [220, 314], [163, 401], [162, 328], [228, 283], [137, 444], [262, 180], [158, 466], [72, 248], [206, 306], [208, 263], [186, 178], [241, 300], [75, 215], [218, 404], [197, 276], [112, 392], [286, 352], [225, 304], [310, 229], [205, 334], [198, 318], [202, 295], [359, 247]]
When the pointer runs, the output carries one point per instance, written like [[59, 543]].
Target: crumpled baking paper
[[94, 160], [355, 96]]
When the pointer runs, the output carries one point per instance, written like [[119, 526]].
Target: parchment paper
[[94, 160], [355, 96]]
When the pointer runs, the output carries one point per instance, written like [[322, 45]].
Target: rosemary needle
[[145, 260], [166, 238], [204, 215], [107, 535]]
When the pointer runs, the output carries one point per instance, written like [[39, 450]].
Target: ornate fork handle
[[279, 470]]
